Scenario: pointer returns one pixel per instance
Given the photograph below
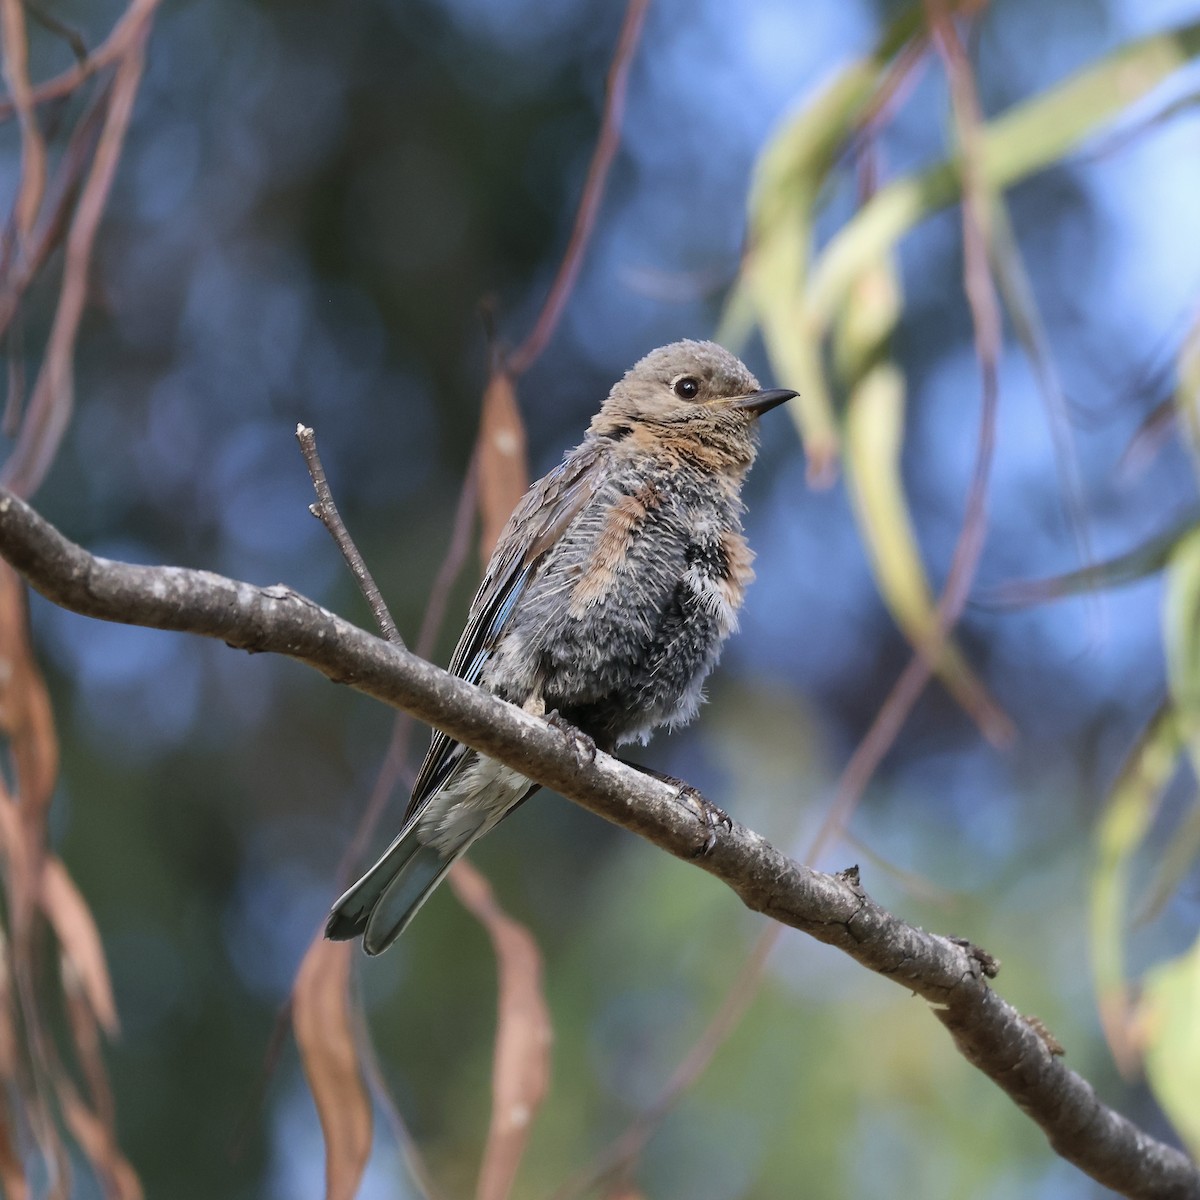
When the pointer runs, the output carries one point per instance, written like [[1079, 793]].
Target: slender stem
[[325, 510], [593, 189]]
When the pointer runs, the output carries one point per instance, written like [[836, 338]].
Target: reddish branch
[[985, 315], [33, 144], [593, 189], [53, 395], [951, 976], [125, 33]]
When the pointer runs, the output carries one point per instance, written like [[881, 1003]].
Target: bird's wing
[[537, 523]]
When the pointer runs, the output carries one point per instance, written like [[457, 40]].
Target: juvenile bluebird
[[605, 605]]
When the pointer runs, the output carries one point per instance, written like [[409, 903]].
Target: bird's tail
[[381, 904]]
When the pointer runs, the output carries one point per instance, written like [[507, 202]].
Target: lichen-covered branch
[[950, 975]]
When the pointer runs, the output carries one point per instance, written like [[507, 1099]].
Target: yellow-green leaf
[[1147, 559], [874, 441], [788, 180], [1176, 862], [1167, 1021], [1187, 390], [1027, 138], [1020, 303], [1181, 635], [1123, 824]]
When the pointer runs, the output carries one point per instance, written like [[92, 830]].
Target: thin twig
[[985, 308], [396, 755], [390, 773], [325, 510], [244, 1126], [125, 33], [524, 1034], [593, 189], [985, 313], [870, 751], [14, 401], [414, 1161], [53, 395], [68, 33], [899, 81], [1021, 304], [62, 193], [32, 183], [616, 1160], [453, 562]]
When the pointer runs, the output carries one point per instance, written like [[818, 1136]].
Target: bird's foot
[[583, 745], [711, 816]]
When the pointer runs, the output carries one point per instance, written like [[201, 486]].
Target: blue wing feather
[[543, 515]]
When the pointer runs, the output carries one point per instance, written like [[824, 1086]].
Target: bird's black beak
[[762, 402]]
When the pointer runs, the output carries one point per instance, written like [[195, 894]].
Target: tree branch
[[950, 975]]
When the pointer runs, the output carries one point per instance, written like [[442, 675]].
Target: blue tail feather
[[381, 904]]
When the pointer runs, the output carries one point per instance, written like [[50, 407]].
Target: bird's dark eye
[[686, 388]]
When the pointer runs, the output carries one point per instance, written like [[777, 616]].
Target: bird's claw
[[710, 816], [582, 744]]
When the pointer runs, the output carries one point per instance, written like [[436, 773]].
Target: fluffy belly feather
[[470, 803]]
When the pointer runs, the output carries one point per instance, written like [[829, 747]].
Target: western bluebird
[[606, 602]]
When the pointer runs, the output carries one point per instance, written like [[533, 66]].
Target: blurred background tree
[[310, 205]]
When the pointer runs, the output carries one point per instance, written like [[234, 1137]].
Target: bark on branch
[[949, 974]]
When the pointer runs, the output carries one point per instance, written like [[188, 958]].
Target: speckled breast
[[652, 576]]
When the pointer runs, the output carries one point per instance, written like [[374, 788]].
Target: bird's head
[[686, 390]]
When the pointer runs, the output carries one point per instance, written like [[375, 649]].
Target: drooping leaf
[[1177, 859], [50, 405], [95, 1135], [1187, 390], [1181, 635], [1139, 563], [324, 1031], [503, 469], [874, 433], [789, 179], [1026, 139], [75, 927], [1020, 303], [521, 1063], [26, 718], [15, 49], [1124, 821], [1170, 1035], [12, 1169]]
